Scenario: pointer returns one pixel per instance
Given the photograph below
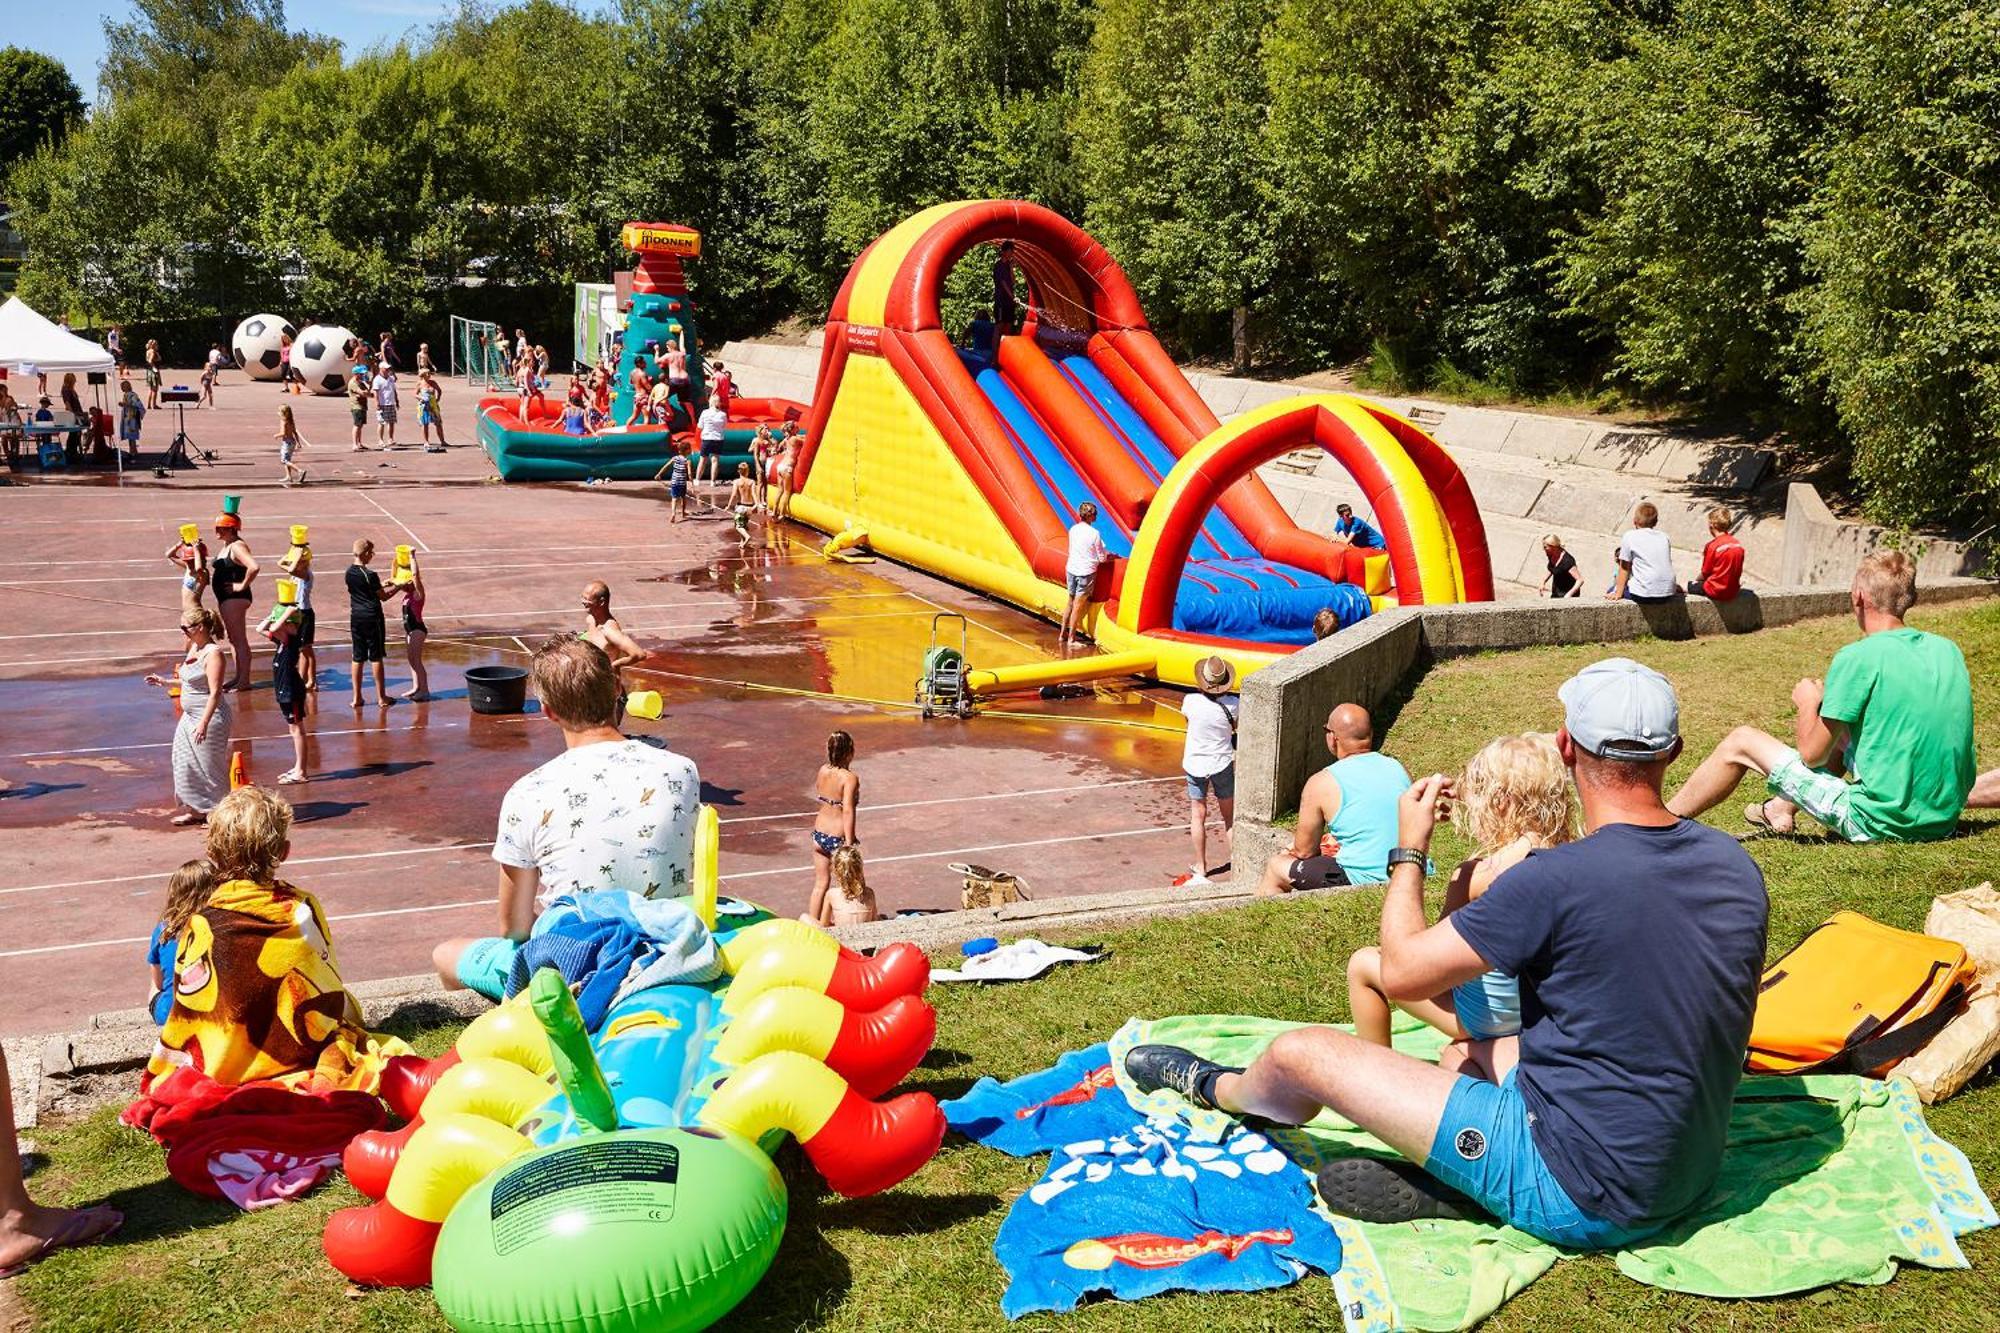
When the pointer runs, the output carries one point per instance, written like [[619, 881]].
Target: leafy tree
[[1171, 147], [1402, 140], [213, 57], [38, 103], [1699, 136], [1903, 314]]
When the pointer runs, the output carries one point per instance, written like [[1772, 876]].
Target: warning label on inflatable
[[598, 1180]]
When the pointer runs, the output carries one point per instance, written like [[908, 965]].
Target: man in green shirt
[[1895, 712]]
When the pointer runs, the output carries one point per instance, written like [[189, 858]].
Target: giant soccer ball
[[319, 355], [255, 345]]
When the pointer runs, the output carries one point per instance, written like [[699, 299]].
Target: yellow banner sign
[[661, 238]]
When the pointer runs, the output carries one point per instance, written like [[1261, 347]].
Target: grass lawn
[[922, 1255]]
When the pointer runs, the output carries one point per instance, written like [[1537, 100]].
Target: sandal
[[188, 819], [291, 778], [1379, 1189], [1759, 817], [86, 1226]]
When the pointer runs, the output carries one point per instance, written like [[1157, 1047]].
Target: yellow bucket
[[405, 557], [288, 592], [191, 533], [644, 704], [298, 534]]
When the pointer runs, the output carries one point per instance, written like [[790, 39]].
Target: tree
[[38, 103], [1903, 313], [214, 56], [1171, 148]]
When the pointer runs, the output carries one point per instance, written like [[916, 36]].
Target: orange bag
[[1854, 997]]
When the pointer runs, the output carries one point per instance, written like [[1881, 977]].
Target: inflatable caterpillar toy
[[553, 1178]]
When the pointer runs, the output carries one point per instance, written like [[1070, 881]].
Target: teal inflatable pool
[[537, 451]]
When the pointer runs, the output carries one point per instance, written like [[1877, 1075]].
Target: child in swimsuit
[[187, 889], [837, 790], [852, 902], [742, 503], [1516, 799]]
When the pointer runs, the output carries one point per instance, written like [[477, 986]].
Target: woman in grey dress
[[201, 741]]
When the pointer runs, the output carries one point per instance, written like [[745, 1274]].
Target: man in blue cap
[[1638, 948]]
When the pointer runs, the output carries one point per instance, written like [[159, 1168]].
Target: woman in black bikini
[[837, 791], [230, 574]]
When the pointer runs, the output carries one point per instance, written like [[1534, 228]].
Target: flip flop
[[1376, 1189], [1757, 818], [86, 1226], [188, 820]]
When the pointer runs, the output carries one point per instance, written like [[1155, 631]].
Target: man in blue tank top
[[1638, 948], [1347, 813]]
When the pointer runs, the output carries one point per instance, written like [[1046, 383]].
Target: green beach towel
[[1825, 1179]]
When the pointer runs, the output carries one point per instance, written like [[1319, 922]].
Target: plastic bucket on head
[[497, 689], [299, 534], [190, 533], [232, 504], [288, 592]]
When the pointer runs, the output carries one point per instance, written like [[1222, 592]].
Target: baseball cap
[[1620, 709]]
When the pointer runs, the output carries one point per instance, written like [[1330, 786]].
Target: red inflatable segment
[[873, 1051], [866, 1147], [864, 983], [1076, 276], [378, 1246], [370, 1159], [1113, 472], [408, 1079], [1242, 454], [1454, 496]]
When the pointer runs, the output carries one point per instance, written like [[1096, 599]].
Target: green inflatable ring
[[639, 1231]]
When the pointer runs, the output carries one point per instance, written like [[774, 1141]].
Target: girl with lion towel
[[257, 993]]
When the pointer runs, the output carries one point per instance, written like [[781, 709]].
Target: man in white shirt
[[606, 813], [1087, 554], [1645, 561], [1208, 757], [711, 423]]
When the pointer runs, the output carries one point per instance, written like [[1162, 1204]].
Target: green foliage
[[1904, 241], [1173, 159], [38, 103]]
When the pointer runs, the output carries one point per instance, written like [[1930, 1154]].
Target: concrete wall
[[1281, 740], [1821, 549]]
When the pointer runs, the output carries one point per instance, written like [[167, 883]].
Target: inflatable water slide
[[972, 462]]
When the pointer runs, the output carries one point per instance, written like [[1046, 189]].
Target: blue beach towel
[[1132, 1207], [613, 944]]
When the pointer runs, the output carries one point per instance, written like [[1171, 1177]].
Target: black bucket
[[497, 689]]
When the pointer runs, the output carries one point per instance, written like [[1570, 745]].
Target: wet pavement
[[757, 654]]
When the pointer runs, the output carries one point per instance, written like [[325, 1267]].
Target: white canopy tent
[[26, 339]]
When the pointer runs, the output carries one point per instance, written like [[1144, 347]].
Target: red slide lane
[[1103, 459], [1139, 368], [929, 365]]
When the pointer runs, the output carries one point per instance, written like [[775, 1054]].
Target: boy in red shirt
[[1721, 560]]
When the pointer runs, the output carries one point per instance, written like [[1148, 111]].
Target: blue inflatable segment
[[1061, 484], [1273, 611], [1152, 451]]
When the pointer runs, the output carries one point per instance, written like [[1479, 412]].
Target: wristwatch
[[1408, 856]]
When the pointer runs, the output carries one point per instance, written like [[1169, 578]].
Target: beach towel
[[1133, 1207], [254, 1144], [1824, 1179], [1023, 960], [613, 944], [258, 997]]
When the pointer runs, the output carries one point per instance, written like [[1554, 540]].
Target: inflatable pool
[[536, 450]]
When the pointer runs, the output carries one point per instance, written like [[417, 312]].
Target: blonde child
[[289, 442], [187, 889], [852, 902], [742, 503], [1516, 798]]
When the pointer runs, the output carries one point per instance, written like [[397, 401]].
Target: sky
[[73, 30]]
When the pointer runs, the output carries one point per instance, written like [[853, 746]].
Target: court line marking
[[397, 521], [733, 602], [262, 650], [750, 874], [741, 819]]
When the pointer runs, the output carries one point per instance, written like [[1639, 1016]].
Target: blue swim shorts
[[484, 966], [1485, 1149]]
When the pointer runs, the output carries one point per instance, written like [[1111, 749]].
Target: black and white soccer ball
[[255, 345], [319, 354]]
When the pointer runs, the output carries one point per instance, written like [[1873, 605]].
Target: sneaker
[[1390, 1189], [1154, 1067]]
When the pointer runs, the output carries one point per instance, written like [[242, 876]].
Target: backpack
[[1854, 997]]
